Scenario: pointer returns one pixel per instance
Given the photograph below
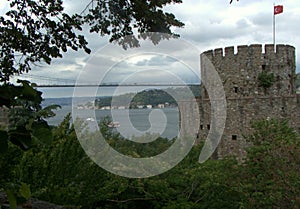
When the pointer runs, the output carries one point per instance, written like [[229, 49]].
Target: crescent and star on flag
[[278, 9]]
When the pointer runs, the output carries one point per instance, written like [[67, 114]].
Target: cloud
[[208, 25], [156, 61], [4, 7], [157, 69]]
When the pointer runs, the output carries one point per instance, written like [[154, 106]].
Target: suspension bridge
[[51, 82]]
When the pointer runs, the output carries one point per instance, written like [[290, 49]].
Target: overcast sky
[[209, 24]]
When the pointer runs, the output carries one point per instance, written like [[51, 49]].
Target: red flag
[[278, 9]]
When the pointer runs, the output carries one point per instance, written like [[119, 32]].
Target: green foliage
[[152, 97], [3, 141], [35, 31], [25, 190], [139, 150], [38, 31], [265, 79], [12, 199], [120, 18], [27, 125], [17, 194], [8, 161], [107, 132], [271, 174], [26, 128], [272, 132], [62, 173]]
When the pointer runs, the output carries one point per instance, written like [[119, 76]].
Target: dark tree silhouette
[[34, 32], [38, 31]]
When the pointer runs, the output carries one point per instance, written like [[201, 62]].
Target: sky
[[208, 25]]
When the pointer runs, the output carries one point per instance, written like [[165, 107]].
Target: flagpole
[[276, 10], [274, 26]]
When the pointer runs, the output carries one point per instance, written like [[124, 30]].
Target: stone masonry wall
[[189, 122], [246, 100], [240, 114], [239, 71]]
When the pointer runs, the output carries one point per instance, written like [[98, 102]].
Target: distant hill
[[57, 101], [153, 97], [65, 101], [149, 97]]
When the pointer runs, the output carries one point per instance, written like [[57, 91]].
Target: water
[[139, 119]]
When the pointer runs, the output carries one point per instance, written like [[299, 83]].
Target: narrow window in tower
[[235, 89], [208, 127], [234, 137], [201, 127], [263, 67]]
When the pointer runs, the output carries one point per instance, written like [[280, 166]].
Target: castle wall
[[241, 113], [189, 122], [239, 71], [247, 101]]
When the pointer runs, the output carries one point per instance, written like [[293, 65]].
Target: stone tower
[[244, 74]]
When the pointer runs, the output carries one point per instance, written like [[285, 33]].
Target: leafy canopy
[[38, 31]]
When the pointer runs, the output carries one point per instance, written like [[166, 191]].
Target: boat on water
[[113, 124], [90, 119]]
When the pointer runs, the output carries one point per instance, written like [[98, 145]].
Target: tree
[[270, 175], [35, 32], [65, 175], [38, 31]]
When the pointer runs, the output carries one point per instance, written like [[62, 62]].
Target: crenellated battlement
[[253, 49], [259, 83], [240, 68]]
